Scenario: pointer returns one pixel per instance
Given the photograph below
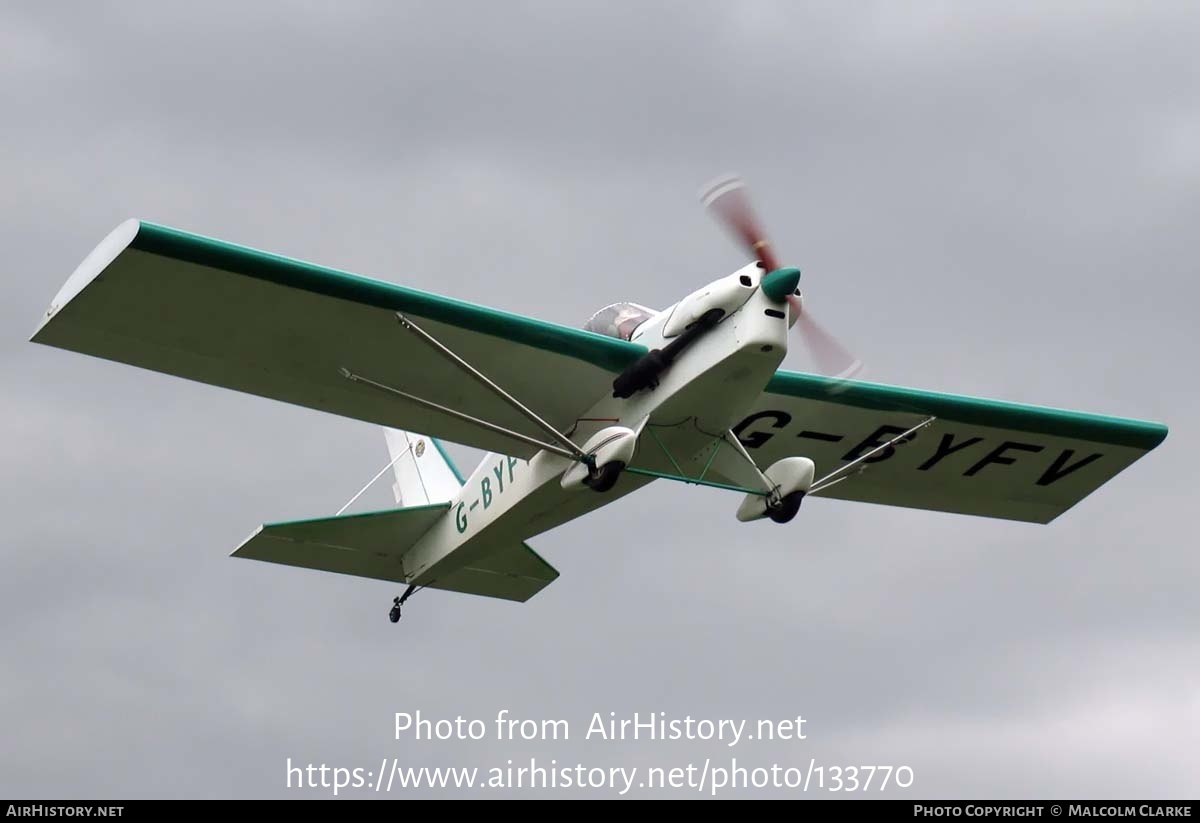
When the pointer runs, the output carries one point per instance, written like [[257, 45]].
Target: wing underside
[[230, 316], [978, 456]]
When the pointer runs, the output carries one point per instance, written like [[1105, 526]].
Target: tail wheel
[[605, 477], [787, 508]]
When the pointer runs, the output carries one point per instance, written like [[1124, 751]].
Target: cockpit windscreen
[[619, 320]]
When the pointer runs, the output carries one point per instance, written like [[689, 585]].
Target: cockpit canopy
[[619, 320]]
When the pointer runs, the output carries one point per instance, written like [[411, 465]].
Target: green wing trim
[[605, 352], [1118, 431]]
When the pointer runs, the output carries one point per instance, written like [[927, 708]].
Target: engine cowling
[[727, 294]]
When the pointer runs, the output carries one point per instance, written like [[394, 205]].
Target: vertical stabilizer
[[424, 472]]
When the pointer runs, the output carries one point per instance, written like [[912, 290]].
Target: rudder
[[424, 473]]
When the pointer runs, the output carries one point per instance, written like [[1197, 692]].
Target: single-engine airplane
[[572, 419]]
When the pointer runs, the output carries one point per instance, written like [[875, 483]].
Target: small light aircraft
[[572, 419]]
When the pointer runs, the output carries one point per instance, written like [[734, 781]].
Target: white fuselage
[[709, 388]]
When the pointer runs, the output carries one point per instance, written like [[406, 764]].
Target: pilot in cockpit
[[619, 320]]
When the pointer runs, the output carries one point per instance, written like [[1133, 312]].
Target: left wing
[[230, 316], [979, 457]]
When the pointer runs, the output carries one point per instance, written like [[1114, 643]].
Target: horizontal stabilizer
[[511, 571], [372, 545], [365, 545]]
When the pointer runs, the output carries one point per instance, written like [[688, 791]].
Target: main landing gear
[[606, 454], [604, 478], [786, 508], [394, 614]]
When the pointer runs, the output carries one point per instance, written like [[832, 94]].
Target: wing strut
[[574, 451], [821, 484], [699, 481], [732, 439], [466, 418], [567, 449]]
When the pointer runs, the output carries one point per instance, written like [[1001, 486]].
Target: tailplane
[[373, 544]]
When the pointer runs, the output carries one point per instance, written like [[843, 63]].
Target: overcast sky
[[997, 199]]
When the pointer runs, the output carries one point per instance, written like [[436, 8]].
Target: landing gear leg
[[394, 614]]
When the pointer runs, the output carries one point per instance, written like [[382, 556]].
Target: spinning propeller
[[726, 198]]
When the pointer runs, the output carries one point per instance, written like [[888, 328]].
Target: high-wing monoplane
[[570, 418]]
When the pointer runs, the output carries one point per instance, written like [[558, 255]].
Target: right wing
[[979, 457], [209, 311]]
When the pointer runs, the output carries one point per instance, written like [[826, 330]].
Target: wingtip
[[238, 551], [97, 260], [1158, 435]]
